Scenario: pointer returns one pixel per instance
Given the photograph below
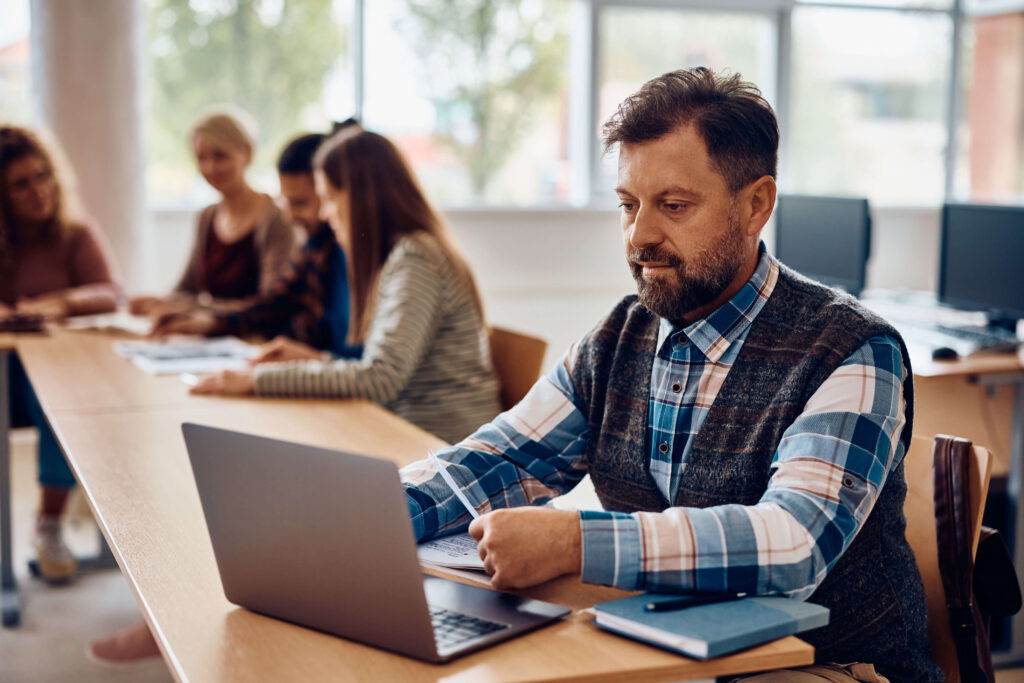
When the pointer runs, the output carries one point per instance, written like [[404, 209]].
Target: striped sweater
[[426, 357]]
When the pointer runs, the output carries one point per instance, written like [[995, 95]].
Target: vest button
[[663, 447], [677, 387]]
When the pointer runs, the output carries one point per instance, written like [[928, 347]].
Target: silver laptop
[[323, 539]]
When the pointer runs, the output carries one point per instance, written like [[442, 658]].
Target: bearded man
[[744, 426]]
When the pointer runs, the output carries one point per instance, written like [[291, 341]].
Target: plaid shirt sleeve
[[271, 313], [525, 456], [829, 468]]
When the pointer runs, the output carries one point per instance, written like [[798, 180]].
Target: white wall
[[556, 273], [86, 61]]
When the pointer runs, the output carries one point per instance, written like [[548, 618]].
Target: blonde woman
[[55, 265], [241, 242], [415, 307]]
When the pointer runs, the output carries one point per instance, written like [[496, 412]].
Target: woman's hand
[[285, 349], [51, 307], [227, 383]]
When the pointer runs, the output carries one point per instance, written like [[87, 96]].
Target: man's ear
[[760, 201]]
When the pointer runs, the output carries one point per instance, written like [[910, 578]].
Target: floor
[[58, 623]]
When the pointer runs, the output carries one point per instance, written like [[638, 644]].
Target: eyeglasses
[[28, 183]]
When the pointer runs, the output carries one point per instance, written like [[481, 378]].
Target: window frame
[[584, 66]]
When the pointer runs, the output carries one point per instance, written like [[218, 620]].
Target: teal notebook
[[713, 630]]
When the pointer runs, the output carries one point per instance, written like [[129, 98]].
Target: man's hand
[[525, 546], [227, 383], [194, 322], [283, 349]]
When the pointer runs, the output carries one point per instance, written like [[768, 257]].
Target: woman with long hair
[[52, 264], [415, 307], [243, 241]]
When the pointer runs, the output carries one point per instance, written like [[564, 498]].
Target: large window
[[15, 71], [282, 62], [475, 93], [868, 113], [990, 163], [499, 103], [638, 43]]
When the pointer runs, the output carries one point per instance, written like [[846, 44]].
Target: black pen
[[691, 601]]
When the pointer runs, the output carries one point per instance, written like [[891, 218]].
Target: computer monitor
[[981, 262], [825, 238]]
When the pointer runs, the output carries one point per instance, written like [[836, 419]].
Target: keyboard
[[983, 338], [452, 628]]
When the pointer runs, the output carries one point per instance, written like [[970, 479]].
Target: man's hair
[[736, 123], [297, 156]]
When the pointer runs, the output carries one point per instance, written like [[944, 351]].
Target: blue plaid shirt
[[849, 430]]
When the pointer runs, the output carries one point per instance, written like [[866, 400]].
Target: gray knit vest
[[803, 333]]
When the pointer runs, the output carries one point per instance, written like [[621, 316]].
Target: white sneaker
[[54, 558]]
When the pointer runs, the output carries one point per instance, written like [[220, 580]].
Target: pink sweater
[[78, 264]]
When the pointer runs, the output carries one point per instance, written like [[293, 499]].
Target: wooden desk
[[132, 464]]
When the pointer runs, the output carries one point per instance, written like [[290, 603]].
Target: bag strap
[[952, 461]]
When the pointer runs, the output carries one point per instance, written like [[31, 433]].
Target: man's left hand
[[525, 546]]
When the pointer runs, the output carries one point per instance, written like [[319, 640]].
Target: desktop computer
[[825, 238], [981, 267]]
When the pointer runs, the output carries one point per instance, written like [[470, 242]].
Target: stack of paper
[[178, 355], [454, 552], [120, 321]]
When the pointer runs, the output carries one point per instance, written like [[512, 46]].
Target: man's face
[[300, 200], [681, 225]]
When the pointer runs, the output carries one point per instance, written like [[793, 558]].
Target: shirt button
[[677, 387], [663, 447]]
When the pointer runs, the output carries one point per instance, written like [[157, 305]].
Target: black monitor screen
[[825, 238], [982, 258]]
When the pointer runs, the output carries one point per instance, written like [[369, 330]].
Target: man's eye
[[627, 206], [674, 207]]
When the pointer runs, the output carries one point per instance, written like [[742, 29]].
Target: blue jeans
[[26, 411]]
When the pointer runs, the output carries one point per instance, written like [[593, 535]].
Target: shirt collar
[[716, 332]]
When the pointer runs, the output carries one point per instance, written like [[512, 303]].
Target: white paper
[[456, 552], [187, 355], [121, 321]]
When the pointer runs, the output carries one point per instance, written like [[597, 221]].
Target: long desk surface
[[121, 431]]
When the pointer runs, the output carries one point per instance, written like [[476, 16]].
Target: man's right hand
[[195, 322], [143, 305]]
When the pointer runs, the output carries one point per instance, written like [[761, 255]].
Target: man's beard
[[695, 284]]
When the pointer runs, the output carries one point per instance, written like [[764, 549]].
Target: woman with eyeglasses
[[53, 264]]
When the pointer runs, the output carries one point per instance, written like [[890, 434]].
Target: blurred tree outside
[[269, 57], [489, 63]]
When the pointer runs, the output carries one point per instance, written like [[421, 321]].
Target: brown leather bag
[[978, 586]]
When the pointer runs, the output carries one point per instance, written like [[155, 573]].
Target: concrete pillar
[[87, 63]]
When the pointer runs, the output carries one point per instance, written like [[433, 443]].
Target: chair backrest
[[919, 509], [517, 360]]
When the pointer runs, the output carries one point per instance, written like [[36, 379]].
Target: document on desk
[[120, 321], [455, 552], [187, 355]]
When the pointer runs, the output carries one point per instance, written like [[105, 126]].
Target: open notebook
[[455, 552]]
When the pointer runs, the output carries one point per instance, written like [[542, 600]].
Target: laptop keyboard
[[452, 628]]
